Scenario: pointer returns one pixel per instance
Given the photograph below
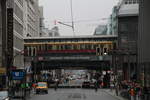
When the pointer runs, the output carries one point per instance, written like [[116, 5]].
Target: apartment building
[[26, 23], [31, 18]]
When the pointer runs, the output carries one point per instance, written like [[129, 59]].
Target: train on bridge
[[61, 52]]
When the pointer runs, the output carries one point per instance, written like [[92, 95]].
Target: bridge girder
[[67, 64]]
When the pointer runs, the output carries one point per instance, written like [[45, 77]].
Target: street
[[73, 94]]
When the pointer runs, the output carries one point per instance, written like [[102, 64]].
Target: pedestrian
[[56, 84], [102, 84], [96, 85], [146, 94], [117, 88], [111, 86], [132, 93]]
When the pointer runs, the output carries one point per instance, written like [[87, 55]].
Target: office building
[[127, 38], [101, 30]]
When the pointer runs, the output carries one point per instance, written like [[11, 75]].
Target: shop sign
[[2, 70], [18, 75]]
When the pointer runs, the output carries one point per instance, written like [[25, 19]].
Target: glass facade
[[128, 29], [127, 43]]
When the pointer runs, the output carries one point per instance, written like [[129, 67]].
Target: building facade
[[114, 21], [18, 41], [143, 43], [127, 39], [2, 42], [31, 18], [54, 32], [101, 30], [0, 34], [26, 23]]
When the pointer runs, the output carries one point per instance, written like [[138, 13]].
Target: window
[[131, 1], [18, 11], [18, 27]]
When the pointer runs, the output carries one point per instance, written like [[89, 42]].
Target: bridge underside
[[67, 64]]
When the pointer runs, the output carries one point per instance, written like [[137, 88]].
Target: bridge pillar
[[58, 73]]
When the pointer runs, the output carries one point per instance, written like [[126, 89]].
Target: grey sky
[[91, 10]]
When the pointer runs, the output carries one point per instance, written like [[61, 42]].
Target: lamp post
[[72, 25], [72, 16]]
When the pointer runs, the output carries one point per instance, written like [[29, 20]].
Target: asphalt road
[[73, 94]]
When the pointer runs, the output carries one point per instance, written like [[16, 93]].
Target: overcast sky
[[87, 14]]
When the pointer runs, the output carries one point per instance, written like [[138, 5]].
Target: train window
[[57, 47], [75, 47], [78, 46], [95, 46], [46, 47], [30, 51], [61, 47], [54, 47], [89, 46], [82, 46], [71, 47], [92, 47], [43, 47], [40, 47], [34, 51], [49, 47], [37, 47], [110, 46]]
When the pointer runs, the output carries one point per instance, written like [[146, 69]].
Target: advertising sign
[[2, 70]]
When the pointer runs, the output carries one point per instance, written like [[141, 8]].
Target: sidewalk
[[112, 93], [28, 95]]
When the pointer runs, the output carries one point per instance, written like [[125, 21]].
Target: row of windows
[[18, 27], [21, 2], [18, 43], [18, 12], [68, 47], [131, 1]]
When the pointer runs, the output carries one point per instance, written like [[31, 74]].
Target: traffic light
[[99, 51], [105, 49]]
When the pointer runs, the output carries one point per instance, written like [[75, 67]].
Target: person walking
[[96, 85], [56, 84], [132, 93]]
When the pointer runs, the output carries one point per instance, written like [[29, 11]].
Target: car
[[41, 87], [86, 84], [92, 83], [51, 84], [4, 95]]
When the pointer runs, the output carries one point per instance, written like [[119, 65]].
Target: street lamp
[[72, 16], [72, 25]]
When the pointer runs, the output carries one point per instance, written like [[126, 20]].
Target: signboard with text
[[18, 74], [9, 37]]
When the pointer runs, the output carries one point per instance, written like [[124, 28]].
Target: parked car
[[86, 84], [92, 83], [51, 84], [41, 87], [4, 95]]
